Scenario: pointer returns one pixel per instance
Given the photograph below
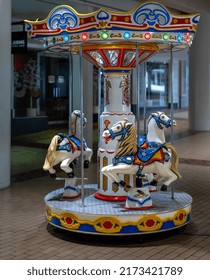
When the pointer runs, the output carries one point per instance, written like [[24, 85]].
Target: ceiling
[[33, 9]]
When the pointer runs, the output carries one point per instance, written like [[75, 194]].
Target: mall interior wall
[[199, 65]]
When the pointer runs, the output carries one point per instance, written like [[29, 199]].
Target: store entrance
[[55, 85]]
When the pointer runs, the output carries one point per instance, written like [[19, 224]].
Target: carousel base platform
[[93, 216]]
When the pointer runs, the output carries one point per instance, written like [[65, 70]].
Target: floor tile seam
[[196, 234], [191, 161]]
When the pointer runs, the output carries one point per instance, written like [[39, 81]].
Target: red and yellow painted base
[[111, 218]]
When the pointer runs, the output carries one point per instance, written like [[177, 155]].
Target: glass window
[[156, 84]]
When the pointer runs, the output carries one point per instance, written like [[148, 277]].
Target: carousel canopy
[[109, 38]]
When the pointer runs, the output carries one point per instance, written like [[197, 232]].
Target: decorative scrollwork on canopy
[[103, 15], [196, 18], [62, 18], [150, 14]]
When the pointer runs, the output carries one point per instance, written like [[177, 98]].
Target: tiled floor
[[25, 234]]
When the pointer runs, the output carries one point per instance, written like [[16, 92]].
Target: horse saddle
[[143, 141], [126, 159], [73, 143], [147, 156], [145, 144], [143, 156]]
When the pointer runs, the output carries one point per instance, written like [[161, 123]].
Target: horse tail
[[175, 159], [50, 157]]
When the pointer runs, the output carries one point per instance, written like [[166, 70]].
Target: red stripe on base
[[152, 190], [109, 197]]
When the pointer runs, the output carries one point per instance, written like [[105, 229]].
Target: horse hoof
[[53, 175], [163, 188], [154, 183], [74, 161], [86, 163], [122, 184], [138, 182], [70, 174], [116, 184]]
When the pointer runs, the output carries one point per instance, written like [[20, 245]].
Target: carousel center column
[[116, 108]]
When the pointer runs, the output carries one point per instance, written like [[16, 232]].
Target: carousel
[[127, 199]]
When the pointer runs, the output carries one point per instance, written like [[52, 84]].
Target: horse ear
[[76, 113], [154, 114], [128, 124]]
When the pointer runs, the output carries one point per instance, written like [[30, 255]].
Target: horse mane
[[158, 113], [73, 121], [51, 153], [128, 145], [148, 120]]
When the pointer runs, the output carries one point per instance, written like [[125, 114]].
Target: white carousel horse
[[161, 159], [155, 137], [67, 149]]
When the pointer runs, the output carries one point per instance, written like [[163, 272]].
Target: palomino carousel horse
[[67, 149], [155, 137], [160, 159]]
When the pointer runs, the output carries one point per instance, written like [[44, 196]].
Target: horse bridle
[[159, 121], [78, 114], [122, 133]]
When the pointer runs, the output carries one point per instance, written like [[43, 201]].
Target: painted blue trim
[[130, 229], [151, 14], [116, 71], [126, 159], [103, 15], [70, 188], [137, 201], [63, 17]]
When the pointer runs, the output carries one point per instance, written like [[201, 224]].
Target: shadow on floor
[[116, 241]]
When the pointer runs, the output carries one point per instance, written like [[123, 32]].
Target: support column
[[88, 94], [88, 101], [199, 82], [116, 108], [5, 92]]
